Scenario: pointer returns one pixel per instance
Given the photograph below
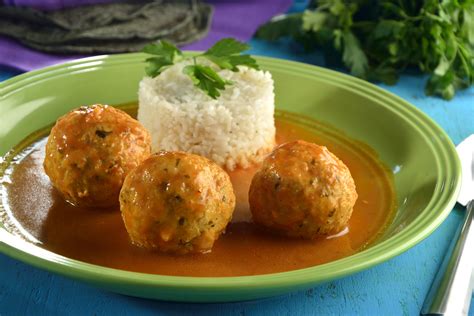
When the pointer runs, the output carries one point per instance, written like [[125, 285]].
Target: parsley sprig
[[225, 54], [378, 40]]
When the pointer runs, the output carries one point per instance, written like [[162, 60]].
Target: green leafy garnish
[[167, 54], [377, 40], [206, 79], [225, 54], [227, 47]]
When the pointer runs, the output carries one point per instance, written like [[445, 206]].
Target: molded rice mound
[[237, 129]]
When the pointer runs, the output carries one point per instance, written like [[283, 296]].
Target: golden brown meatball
[[302, 190], [176, 202], [90, 151]]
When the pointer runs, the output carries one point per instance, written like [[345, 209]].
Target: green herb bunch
[[377, 40], [225, 54]]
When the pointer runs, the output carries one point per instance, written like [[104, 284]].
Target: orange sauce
[[98, 236]]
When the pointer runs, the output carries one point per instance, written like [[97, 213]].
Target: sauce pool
[[98, 236]]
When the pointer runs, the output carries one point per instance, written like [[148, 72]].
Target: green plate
[[422, 157]]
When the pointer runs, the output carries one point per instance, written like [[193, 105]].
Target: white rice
[[237, 129]]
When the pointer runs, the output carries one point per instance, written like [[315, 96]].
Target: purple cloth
[[52, 4], [238, 19]]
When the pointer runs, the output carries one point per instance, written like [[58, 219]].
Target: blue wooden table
[[397, 287]]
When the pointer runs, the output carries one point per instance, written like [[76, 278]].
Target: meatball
[[90, 151], [176, 202], [302, 190]]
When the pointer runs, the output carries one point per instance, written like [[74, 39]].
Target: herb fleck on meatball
[[90, 151], [177, 202], [302, 190]]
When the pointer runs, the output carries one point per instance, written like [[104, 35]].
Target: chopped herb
[[226, 54], [277, 184], [101, 133], [165, 186]]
